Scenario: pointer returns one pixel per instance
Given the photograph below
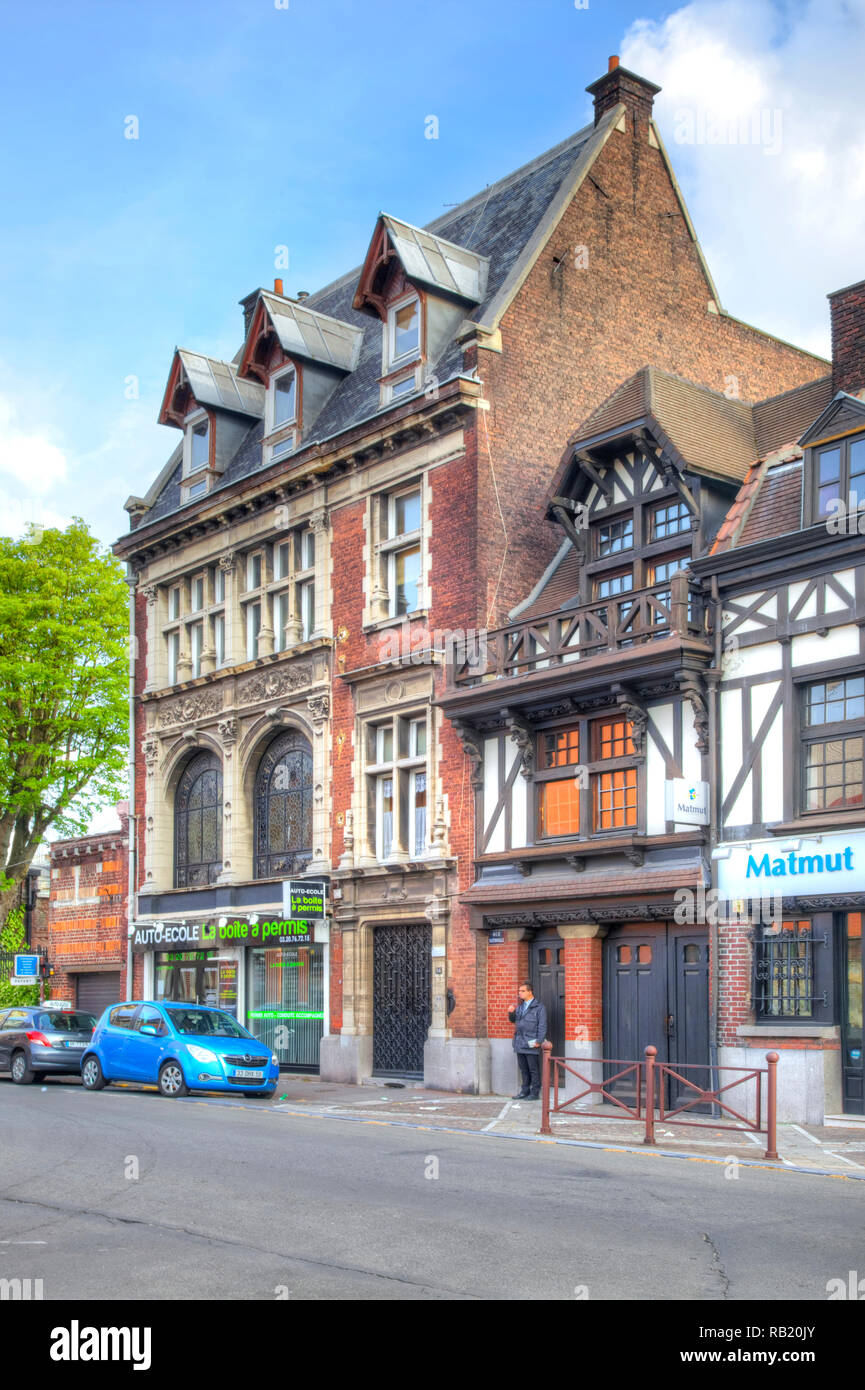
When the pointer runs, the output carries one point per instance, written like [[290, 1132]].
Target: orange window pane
[[644, 955], [561, 748], [623, 955], [560, 807], [616, 805], [614, 738], [854, 923]]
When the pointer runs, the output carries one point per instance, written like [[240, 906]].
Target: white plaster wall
[[811, 648]]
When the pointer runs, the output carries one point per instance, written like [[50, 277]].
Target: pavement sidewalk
[[837, 1147]]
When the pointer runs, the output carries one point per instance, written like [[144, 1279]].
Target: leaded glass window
[[198, 823], [283, 807]]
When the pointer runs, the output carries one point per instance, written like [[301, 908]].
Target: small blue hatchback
[[179, 1048]]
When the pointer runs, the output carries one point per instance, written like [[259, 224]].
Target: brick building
[[87, 917], [668, 741], [363, 479]]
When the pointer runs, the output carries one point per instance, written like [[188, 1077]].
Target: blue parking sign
[[27, 967]]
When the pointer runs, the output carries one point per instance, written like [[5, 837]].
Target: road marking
[[800, 1130], [831, 1154], [23, 1242], [501, 1115]]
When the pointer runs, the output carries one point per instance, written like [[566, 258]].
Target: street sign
[[25, 971]]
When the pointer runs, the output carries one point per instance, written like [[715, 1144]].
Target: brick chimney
[[617, 84], [848, 338]]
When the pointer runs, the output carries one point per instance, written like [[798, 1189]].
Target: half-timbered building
[[787, 580], [359, 481]]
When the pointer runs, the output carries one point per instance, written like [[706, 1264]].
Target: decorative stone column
[[319, 523], [155, 654], [319, 713], [232, 616], [231, 791]]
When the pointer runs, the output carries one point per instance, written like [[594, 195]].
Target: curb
[[644, 1150]]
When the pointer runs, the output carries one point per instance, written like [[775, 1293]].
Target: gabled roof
[[843, 413], [710, 433], [304, 333], [507, 225], [430, 260], [210, 383]]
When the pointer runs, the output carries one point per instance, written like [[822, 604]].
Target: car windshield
[[65, 1022], [211, 1023]]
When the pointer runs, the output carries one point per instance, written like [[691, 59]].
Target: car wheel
[[171, 1081], [91, 1075], [21, 1072]]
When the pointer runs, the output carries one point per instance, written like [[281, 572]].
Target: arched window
[[283, 807], [198, 823]]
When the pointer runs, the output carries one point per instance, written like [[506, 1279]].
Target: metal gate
[[402, 989]]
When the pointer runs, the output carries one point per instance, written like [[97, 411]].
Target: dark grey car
[[38, 1041]]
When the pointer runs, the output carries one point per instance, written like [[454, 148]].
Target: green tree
[[64, 670]]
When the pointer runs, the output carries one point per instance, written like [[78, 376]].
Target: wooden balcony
[[607, 627]]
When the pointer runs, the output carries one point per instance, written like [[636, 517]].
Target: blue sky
[[261, 126]]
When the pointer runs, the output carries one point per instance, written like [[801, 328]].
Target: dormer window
[[838, 473], [282, 412], [196, 455], [403, 333]]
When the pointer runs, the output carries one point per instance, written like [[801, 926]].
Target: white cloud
[[28, 456], [762, 114]]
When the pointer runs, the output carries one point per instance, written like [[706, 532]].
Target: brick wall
[[848, 338], [575, 331], [87, 909]]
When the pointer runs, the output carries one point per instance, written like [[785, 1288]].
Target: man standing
[[530, 1018]]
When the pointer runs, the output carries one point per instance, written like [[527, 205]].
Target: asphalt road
[[126, 1194]]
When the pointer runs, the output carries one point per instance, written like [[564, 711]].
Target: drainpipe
[[714, 820], [132, 857]]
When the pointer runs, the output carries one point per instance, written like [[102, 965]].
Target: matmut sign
[[819, 864]]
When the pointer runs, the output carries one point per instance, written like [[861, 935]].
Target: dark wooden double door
[[656, 990]]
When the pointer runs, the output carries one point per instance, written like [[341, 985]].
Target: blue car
[[179, 1048]]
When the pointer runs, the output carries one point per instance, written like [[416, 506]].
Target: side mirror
[[150, 1029]]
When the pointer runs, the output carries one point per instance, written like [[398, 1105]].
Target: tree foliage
[[11, 941], [64, 670]]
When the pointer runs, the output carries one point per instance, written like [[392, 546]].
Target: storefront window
[[196, 977], [286, 1009]]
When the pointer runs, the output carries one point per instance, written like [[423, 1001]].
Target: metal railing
[[650, 1080], [612, 624]]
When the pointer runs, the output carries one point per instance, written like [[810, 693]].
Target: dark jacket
[[532, 1025]]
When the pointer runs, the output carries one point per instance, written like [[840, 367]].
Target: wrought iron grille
[[198, 823], [401, 998], [283, 807], [784, 969]]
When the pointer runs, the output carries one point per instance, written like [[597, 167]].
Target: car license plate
[[249, 1075], [71, 1044]]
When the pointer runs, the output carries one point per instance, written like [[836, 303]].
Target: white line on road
[[501, 1115], [800, 1130]]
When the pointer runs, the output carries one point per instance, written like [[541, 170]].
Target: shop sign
[[687, 803], [832, 863], [304, 898], [223, 932]]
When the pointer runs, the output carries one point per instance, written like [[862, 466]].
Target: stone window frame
[[402, 767]]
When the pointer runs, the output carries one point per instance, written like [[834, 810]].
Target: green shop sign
[[262, 933], [285, 1013]]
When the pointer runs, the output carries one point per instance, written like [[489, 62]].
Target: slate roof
[[496, 227]]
